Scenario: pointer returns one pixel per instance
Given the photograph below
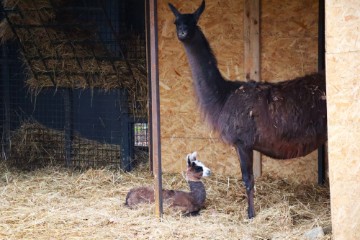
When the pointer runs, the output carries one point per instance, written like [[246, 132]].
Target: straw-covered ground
[[57, 203]]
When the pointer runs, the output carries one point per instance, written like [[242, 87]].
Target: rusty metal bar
[[148, 67], [155, 107], [321, 67], [5, 74], [252, 56]]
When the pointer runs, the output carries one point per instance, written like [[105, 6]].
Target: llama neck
[[197, 191], [210, 86]]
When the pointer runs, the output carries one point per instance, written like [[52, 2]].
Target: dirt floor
[[57, 203]]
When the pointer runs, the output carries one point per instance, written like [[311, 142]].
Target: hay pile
[[55, 203], [61, 50], [34, 146]]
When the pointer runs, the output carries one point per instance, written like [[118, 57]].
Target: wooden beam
[[252, 55], [155, 107]]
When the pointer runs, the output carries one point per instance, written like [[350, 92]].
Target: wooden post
[[252, 54], [155, 107]]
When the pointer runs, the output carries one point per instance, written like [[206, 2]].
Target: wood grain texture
[[288, 49], [343, 102]]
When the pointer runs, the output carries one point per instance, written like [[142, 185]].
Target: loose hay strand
[[56, 203]]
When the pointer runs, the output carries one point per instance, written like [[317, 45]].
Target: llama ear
[[193, 156], [199, 11], [174, 10]]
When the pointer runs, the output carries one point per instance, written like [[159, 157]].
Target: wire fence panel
[[73, 83]]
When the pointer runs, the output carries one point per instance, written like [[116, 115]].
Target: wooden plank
[[252, 55], [155, 107]]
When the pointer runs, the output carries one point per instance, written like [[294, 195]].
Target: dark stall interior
[[74, 83]]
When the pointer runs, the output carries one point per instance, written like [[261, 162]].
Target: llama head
[[186, 23], [195, 168]]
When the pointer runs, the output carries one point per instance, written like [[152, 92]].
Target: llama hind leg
[[246, 164]]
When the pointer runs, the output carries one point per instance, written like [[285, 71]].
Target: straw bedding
[[56, 203], [32, 140]]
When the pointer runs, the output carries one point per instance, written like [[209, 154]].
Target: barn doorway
[[74, 83]]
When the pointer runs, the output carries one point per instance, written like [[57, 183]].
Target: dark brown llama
[[281, 120], [189, 203]]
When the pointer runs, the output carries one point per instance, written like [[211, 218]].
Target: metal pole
[[6, 103], [126, 139], [155, 107], [69, 125], [321, 67], [148, 66]]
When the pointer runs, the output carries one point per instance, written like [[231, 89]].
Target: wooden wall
[[288, 50], [343, 101], [289, 40]]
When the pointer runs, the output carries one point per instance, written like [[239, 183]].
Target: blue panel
[[98, 114], [48, 108]]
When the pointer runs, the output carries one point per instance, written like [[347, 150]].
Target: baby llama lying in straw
[[189, 203]]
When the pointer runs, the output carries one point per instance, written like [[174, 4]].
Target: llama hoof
[[251, 214], [192, 214]]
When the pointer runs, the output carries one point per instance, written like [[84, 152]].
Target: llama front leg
[[246, 163]]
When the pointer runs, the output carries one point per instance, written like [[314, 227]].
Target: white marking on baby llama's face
[[192, 158], [206, 170]]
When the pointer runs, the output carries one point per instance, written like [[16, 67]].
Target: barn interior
[[75, 120]]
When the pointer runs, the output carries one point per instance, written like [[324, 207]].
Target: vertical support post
[[69, 125], [126, 131], [321, 67], [148, 66], [252, 55], [6, 102], [155, 107]]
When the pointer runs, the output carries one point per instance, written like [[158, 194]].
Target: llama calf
[[188, 203]]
